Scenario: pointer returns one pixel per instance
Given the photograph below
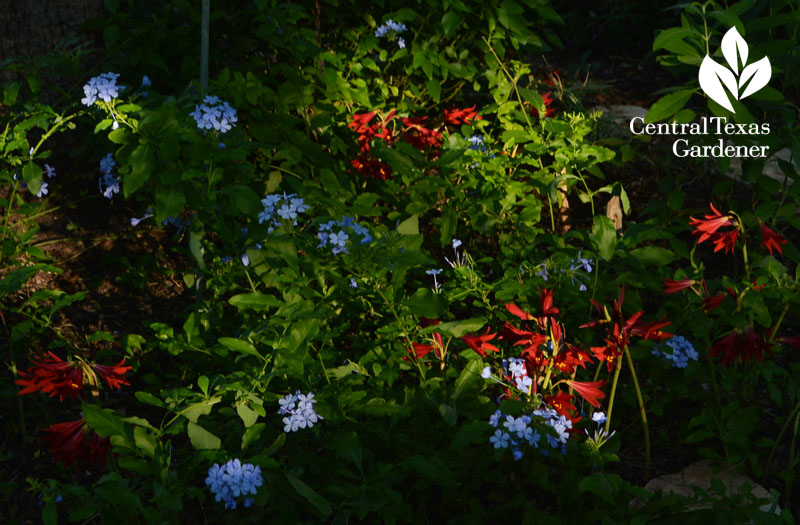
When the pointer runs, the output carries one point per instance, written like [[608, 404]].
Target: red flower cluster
[[708, 303], [621, 330], [414, 132], [708, 228], [771, 240], [71, 443], [742, 346], [53, 377], [456, 117], [548, 100]]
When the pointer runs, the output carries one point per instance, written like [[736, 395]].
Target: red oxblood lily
[[671, 286], [710, 303], [621, 330], [112, 375], [480, 343], [361, 121], [771, 239], [548, 310], [419, 351], [707, 227], [589, 390], [548, 101], [742, 346], [516, 310], [461, 116], [553, 77], [419, 136], [793, 341], [371, 167], [52, 376], [726, 240], [70, 445], [569, 358], [561, 402]]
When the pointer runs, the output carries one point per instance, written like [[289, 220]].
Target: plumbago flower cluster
[[232, 480], [336, 234], [299, 411], [680, 351], [214, 114], [574, 272], [397, 28], [109, 183], [281, 209], [103, 87]]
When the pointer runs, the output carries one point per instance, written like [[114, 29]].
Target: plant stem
[[642, 413], [613, 394]]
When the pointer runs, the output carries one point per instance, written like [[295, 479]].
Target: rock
[[699, 475]]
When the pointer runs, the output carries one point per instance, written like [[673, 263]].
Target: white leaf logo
[[714, 76]]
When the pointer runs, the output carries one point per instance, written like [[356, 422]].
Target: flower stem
[[613, 394], [642, 413]]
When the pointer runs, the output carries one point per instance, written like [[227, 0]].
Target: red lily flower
[[726, 240], [671, 286], [69, 443], [618, 337], [561, 402], [548, 310], [707, 227], [516, 310], [548, 101], [371, 167], [741, 346], [480, 343], [419, 136], [52, 376], [771, 239], [361, 121], [589, 390], [710, 303], [793, 341], [461, 116], [419, 351], [570, 358], [113, 374]]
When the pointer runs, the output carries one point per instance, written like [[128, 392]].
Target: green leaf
[[142, 161], [653, 256], [196, 248], [202, 382], [459, 328], [425, 303], [469, 378], [604, 237], [668, 105], [435, 89], [170, 200], [255, 301], [32, 175], [203, 408], [248, 415], [103, 421], [201, 438], [409, 226], [150, 399], [449, 414], [238, 345], [320, 503], [668, 37], [252, 434], [243, 198], [450, 22]]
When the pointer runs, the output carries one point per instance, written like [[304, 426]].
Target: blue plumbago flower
[[214, 114], [42, 190], [177, 222], [434, 273], [459, 259], [103, 87], [245, 259], [109, 184], [353, 283], [335, 234], [477, 143], [390, 25], [279, 209], [226, 259], [232, 480], [221, 145], [542, 271], [135, 221], [50, 171], [299, 411], [146, 81], [681, 351], [494, 419], [500, 439], [599, 417]]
